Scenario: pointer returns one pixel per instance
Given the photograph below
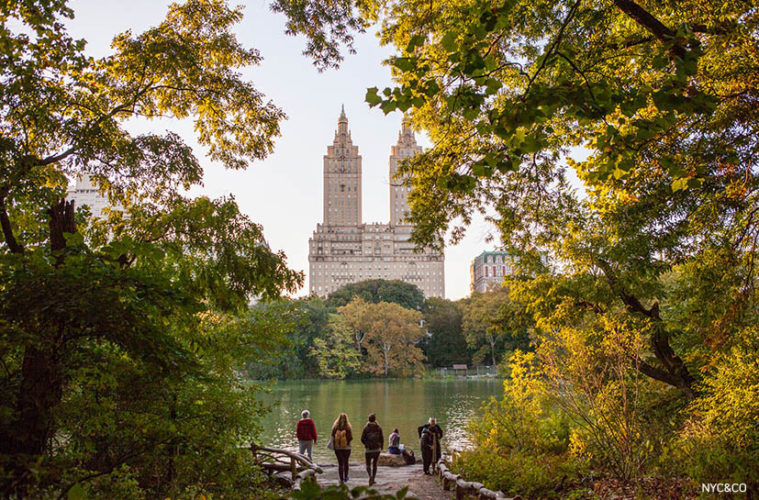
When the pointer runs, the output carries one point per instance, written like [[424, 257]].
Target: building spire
[[406, 135], [342, 122]]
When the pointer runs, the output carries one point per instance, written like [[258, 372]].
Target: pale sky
[[312, 102]]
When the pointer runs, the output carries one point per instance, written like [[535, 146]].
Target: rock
[[389, 460]]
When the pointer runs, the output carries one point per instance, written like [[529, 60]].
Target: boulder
[[387, 459]]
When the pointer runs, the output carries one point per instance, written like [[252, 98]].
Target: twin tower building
[[344, 249]]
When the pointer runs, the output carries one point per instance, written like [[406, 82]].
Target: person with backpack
[[373, 441], [342, 436], [306, 434], [430, 434]]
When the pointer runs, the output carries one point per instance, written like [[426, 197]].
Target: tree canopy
[[376, 291]]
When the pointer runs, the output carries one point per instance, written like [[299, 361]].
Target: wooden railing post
[[293, 468]]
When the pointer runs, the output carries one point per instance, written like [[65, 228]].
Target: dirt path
[[390, 480]]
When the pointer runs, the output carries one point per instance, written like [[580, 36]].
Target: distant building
[[489, 269], [86, 193], [343, 249]]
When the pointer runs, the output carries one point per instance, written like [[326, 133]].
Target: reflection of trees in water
[[404, 404]]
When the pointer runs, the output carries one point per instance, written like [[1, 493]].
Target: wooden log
[[463, 489], [486, 494], [304, 475]]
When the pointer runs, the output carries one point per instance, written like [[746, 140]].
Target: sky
[[283, 192]]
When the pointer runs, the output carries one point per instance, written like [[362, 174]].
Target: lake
[[403, 403]]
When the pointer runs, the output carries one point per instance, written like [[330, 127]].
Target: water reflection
[[405, 404]]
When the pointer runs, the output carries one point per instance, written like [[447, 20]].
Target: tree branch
[[10, 239], [653, 25]]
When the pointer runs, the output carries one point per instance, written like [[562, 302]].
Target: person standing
[[395, 443], [342, 435], [430, 434], [373, 440], [306, 434]]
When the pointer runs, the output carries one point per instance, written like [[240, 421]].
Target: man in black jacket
[[430, 434], [373, 441]]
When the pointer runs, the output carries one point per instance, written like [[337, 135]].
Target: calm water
[[405, 404]]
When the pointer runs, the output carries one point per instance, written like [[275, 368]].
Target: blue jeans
[[394, 450], [305, 447]]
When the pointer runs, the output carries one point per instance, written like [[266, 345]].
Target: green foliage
[[312, 491], [375, 291], [446, 344], [336, 352], [122, 338], [495, 324], [293, 358]]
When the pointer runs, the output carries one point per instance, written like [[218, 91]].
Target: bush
[[520, 473], [720, 440], [521, 441]]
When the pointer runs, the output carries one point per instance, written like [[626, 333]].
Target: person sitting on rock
[[395, 443]]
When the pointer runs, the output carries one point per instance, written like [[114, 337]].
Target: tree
[[294, 359], [446, 344], [133, 289], [385, 336], [376, 291], [391, 340], [336, 352], [356, 319], [492, 321]]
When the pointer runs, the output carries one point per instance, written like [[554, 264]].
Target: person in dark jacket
[[306, 434], [430, 435], [373, 441], [342, 435]]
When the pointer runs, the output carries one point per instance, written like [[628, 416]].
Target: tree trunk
[[491, 339], [387, 363], [42, 378], [675, 371]]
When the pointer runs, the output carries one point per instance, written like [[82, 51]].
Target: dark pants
[[426, 457], [342, 463], [371, 463]]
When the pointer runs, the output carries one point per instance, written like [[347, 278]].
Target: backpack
[[408, 457], [341, 439]]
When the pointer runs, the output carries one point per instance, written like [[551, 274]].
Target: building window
[[503, 270], [486, 271], [494, 273]]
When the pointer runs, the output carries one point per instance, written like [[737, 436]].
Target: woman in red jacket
[[306, 434]]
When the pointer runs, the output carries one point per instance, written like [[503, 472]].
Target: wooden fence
[[275, 461], [466, 489]]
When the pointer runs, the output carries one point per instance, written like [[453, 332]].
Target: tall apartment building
[[489, 269], [86, 193], [343, 249]]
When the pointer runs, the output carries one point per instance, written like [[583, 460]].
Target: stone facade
[[86, 193], [345, 250], [489, 269]]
